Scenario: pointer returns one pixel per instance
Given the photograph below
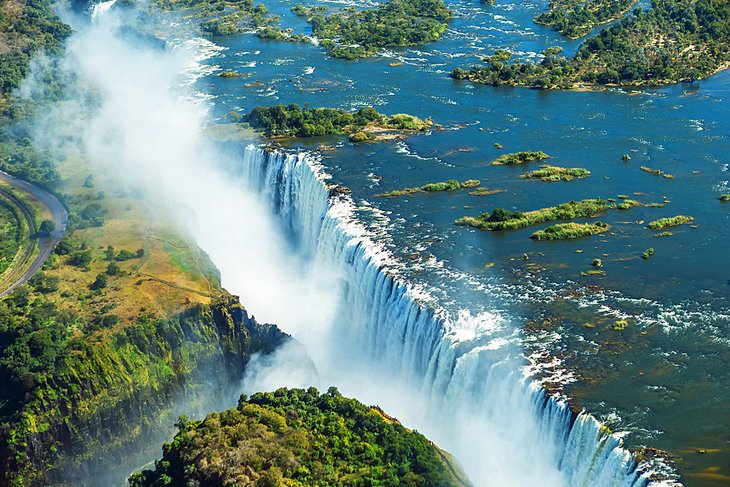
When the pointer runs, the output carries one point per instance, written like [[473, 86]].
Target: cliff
[[109, 402]]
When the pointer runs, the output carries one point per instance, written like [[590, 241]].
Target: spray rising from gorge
[[298, 257]]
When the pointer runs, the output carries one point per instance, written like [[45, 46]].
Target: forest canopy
[[675, 40], [300, 437]]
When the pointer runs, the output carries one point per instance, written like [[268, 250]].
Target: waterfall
[[98, 9], [494, 418]]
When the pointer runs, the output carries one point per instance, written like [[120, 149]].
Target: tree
[[80, 258], [47, 227], [99, 283]]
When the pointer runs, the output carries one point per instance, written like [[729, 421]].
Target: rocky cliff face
[[112, 402]]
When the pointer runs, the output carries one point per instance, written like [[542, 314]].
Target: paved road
[[59, 216]]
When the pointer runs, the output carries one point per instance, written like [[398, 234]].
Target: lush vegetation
[[647, 253], [576, 18], [450, 185], [676, 40], [299, 437], [725, 197], [293, 120], [570, 230], [11, 233], [501, 219], [26, 28], [303, 11], [553, 173], [225, 17], [355, 34], [519, 158], [670, 222]]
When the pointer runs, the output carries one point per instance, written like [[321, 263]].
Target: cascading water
[[473, 398], [99, 9]]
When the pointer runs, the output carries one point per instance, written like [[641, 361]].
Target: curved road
[[46, 243]]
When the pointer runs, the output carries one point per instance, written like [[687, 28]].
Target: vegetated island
[[570, 230], [502, 219], [363, 125], [356, 34], [576, 18], [519, 158], [674, 41], [450, 185], [725, 197], [225, 17], [300, 437], [672, 221], [553, 173]]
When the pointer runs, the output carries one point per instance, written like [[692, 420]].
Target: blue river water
[[664, 381]]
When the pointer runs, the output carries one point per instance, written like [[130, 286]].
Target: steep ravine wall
[[117, 400]]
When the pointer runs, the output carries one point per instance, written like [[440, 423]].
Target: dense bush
[[354, 34], [307, 122]]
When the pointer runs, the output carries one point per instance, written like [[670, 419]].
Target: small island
[[571, 230], [502, 219], [519, 158], [550, 173], [363, 125], [725, 197], [356, 34], [450, 185], [673, 221], [300, 437]]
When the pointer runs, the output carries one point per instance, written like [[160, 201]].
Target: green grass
[[552, 173], [571, 230], [519, 158], [627, 204], [11, 234], [501, 219], [450, 185], [670, 222]]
